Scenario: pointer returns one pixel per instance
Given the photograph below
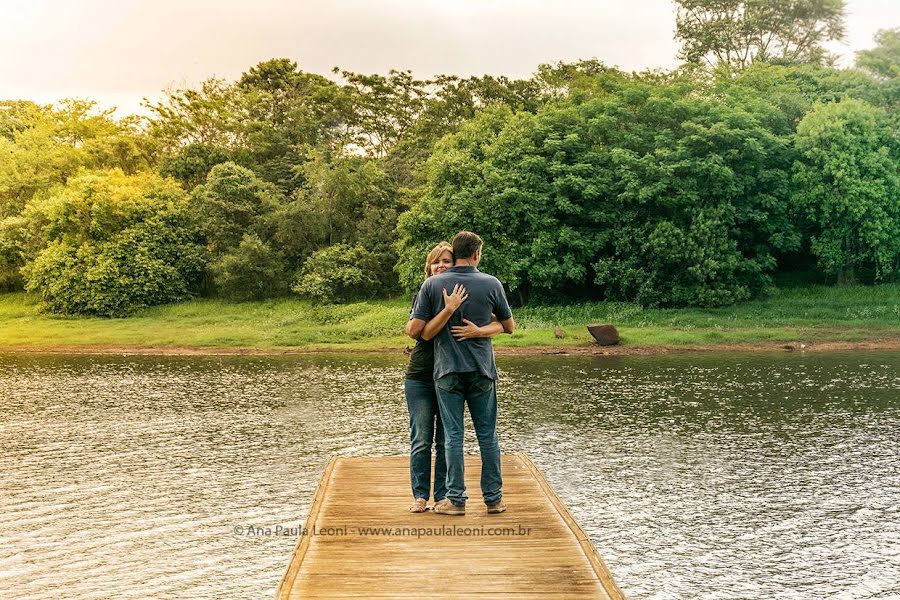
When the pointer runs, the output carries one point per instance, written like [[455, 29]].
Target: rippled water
[[744, 476]]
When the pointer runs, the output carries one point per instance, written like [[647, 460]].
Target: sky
[[118, 52]]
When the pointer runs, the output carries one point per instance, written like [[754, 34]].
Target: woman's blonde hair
[[436, 254]]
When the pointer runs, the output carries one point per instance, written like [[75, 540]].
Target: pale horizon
[[118, 53]]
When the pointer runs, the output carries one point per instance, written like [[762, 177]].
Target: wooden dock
[[361, 542]]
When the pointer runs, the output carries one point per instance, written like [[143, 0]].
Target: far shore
[[794, 319], [887, 344]]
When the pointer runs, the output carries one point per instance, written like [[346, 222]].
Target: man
[[464, 370]]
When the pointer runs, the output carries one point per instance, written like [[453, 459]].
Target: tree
[[208, 116], [12, 233], [267, 121], [383, 108], [287, 114], [189, 165], [848, 185], [345, 199], [339, 273], [452, 102], [232, 202], [884, 59], [561, 79], [252, 271], [42, 146], [109, 243], [740, 32], [790, 91], [648, 192]]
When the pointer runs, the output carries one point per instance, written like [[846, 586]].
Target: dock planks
[[362, 543]]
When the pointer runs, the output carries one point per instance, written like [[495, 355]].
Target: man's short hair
[[465, 243]]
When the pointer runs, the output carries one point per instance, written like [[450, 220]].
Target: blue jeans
[[425, 429], [454, 392]]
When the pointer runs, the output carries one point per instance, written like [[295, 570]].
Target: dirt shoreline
[[593, 350]]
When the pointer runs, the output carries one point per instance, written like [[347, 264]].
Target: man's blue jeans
[[454, 392], [424, 429]]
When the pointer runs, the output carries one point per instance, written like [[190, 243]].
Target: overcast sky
[[120, 51]]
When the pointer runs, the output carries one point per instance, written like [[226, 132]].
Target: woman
[[424, 418]]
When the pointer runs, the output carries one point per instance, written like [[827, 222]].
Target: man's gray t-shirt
[[486, 297]]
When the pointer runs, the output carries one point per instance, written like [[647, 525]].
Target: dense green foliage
[[251, 271], [687, 188], [42, 146], [232, 202], [107, 243], [338, 273], [848, 182], [647, 190], [884, 59]]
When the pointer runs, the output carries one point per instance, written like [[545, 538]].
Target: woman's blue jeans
[[425, 431]]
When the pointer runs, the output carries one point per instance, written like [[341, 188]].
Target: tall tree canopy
[[267, 121], [884, 59], [42, 146], [740, 32], [649, 193], [848, 184]]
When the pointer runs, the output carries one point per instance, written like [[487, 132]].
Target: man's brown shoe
[[446, 507], [496, 507]]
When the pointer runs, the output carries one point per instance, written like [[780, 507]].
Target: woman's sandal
[[419, 505]]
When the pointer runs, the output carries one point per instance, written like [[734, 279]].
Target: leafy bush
[[251, 272], [112, 243], [11, 259], [339, 273]]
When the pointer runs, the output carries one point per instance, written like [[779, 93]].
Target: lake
[[727, 476]]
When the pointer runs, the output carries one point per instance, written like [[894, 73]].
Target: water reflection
[[736, 476]]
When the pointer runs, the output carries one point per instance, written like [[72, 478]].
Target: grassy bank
[[808, 314]]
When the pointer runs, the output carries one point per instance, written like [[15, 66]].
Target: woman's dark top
[[421, 360]]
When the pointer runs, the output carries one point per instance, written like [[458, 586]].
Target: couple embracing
[[455, 314]]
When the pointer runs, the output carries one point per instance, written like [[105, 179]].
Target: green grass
[[803, 313]]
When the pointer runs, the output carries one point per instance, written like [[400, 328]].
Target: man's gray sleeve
[[501, 305], [423, 308], [413, 305]]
